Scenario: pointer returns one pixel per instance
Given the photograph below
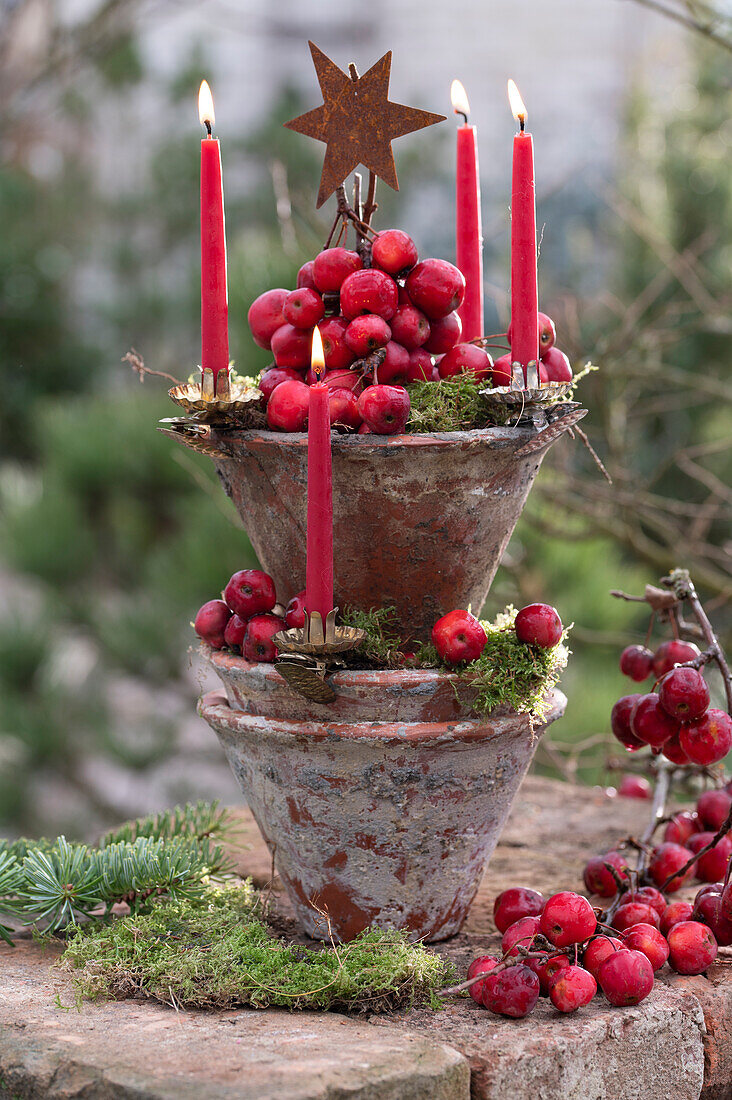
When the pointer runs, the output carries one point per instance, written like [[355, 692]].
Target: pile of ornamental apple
[[675, 718], [688, 848], [459, 637], [247, 618], [558, 947], [400, 307]]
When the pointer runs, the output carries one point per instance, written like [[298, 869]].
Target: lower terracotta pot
[[387, 822]]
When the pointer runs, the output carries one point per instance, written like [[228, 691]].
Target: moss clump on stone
[[382, 645], [218, 952]]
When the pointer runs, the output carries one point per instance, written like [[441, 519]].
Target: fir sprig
[[57, 884]]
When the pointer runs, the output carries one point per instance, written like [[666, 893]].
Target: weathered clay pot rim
[[496, 434], [461, 730]]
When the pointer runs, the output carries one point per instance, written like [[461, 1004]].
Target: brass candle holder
[[217, 399], [307, 651]]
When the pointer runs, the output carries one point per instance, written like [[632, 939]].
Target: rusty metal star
[[358, 122]]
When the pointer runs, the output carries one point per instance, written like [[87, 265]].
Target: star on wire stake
[[358, 122]]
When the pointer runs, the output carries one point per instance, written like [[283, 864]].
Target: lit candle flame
[[517, 103], [459, 97], [317, 356], [205, 105]]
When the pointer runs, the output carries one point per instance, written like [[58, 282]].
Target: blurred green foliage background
[[110, 537]]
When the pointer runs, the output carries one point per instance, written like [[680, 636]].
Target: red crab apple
[[394, 251], [436, 287], [210, 623], [305, 276], [303, 308], [369, 291], [236, 628], [502, 371], [636, 661], [272, 378], [547, 333], [343, 409], [341, 380], [708, 910], [557, 366], [458, 636], [692, 947], [480, 965], [682, 826], [571, 988], [666, 860], [466, 359], [683, 693], [385, 409], [634, 786], [626, 978], [598, 879], [648, 895], [708, 740], [295, 611], [395, 368], [444, 334], [635, 912], [522, 932], [250, 592], [539, 624], [337, 353], [672, 653], [291, 347], [713, 807], [713, 864], [333, 266], [514, 903], [265, 316], [673, 751], [511, 992], [258, 644], [421, 367], [567, 918], [410, 327], [288, 407], [650, 723], [367, 333], [648, 939], [598, 949], [546, 968], [620, 722], [727, 901], [674, 914]]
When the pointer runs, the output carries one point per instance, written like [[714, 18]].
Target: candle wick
[[207, 124], [463, 115], [522, 123]]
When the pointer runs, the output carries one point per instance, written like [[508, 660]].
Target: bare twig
[[138, 365]]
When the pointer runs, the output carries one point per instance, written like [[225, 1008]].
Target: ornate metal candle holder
[[307, 651], [228, 401]]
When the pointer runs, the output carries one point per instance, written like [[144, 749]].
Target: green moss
[[218, 953], [449, 405], [509, 672], [382, 645]]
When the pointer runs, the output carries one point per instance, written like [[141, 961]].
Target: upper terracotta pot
[[420, 521]]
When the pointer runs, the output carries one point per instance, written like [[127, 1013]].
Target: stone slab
[[713, 991], [143, 1051]]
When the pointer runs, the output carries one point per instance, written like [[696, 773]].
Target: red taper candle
[[468, 222], [319, 569], [214, 293], [524, 282]]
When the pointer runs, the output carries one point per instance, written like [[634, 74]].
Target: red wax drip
[[524, 288], [214, 295], [319, 575], [469, 232]]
